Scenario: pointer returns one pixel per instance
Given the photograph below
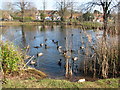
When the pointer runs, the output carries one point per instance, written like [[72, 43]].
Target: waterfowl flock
[[61, 49]]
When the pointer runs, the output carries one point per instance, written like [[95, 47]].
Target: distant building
[[6, 16], [98, 17]]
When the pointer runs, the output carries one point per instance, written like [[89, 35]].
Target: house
[[49, 15], [6, 16], [37, 16], [98, 17]]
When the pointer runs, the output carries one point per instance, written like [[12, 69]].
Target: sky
[[50, 4]]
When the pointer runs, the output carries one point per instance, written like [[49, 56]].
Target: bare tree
[[63, 5], [106, 5], [22, 5]]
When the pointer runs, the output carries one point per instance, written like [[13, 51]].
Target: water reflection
[[55, 61]]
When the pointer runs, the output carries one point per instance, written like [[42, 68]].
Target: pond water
[[70, 38]]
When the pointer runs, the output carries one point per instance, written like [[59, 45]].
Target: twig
[[28, 61]]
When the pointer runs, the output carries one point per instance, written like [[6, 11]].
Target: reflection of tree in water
[[42, 28], [23, 36]]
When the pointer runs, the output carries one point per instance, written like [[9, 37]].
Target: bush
[[11, 58]]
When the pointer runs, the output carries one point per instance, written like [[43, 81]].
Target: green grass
[[52, 83], [91, 24]]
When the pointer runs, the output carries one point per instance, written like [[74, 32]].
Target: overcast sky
[[50, 4]]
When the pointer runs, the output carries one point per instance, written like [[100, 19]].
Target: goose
[[37, 47], [60, 50], [32, 62], [59, 47], [41, 44], [59, 62], [46, 46], [71, 34], [39, 54], [75, 58], [81, 47], [81, 80]]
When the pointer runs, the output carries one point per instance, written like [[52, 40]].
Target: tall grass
[[102, 58]]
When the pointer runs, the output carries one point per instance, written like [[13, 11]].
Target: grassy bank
[[52, 83], [87, 25]]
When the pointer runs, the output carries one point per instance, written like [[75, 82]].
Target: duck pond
[[57, 50]]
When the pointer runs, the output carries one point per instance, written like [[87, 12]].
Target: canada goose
[[41, 44], [81, 47], [60, 50], [59, 47], [32, 62], [71, 51], [81, 80], [46, 47], [39, 54], [37, 47], [75, 58], [59, 62]]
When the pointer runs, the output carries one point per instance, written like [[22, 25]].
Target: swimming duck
[[41, 44], [59, 62], [75, 58], [39, 54]]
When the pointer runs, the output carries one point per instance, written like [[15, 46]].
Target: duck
[[71, 34], [59, 47], [82, 47], [46, 47], [59, 62], [32, 62], [41, 44], [37, 47], [39, 54], [60, 50], [75, 58]]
